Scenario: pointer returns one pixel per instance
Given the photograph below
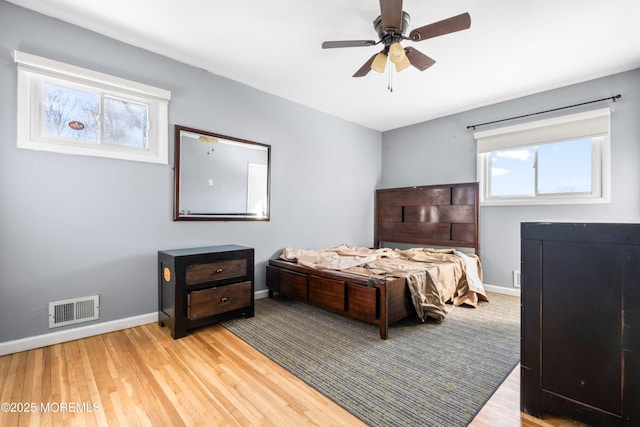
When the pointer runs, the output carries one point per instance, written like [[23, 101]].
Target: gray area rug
[[425, 374]]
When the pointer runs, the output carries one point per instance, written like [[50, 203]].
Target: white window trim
[[32, 67], [595, 123]]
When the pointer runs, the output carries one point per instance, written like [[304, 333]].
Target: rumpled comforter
[[435, 276]]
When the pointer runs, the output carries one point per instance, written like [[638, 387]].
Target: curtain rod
[[613, 98]]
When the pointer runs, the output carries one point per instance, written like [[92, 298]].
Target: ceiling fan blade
[[446, 26], [391, 13], [364, 70], [348, 43], [419, 59]]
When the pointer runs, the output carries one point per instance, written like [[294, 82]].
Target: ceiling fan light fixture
[[396, 52], [392, 26], [379, 63], [402, 63]]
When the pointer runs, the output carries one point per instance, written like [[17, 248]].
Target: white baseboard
[[44, 340], [75, 333], [85, 331], [261, 294], [502, 290]]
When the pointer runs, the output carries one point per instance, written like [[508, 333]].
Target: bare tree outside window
[[125, 122], [64, 106], [72, 113]]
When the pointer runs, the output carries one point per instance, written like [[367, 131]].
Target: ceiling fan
[[391, 27]]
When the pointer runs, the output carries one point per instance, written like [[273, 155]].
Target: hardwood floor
[[503, 409], [141, 376]]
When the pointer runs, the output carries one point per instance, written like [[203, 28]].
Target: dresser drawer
[[218, 270], [212, 301]]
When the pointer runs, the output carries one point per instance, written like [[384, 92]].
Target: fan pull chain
[[390, 79]]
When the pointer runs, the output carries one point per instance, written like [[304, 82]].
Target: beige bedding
[[435, 276]]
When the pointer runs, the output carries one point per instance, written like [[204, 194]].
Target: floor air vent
[[75, 310]]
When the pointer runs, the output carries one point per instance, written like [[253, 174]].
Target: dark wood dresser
[[200, 286], [580, 353]]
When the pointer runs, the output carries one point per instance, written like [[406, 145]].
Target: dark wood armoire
[[580, 348]]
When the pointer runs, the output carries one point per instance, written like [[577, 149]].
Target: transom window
[[564, 160], [68, 109]]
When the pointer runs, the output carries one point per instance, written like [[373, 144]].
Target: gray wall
[[72, 226], [443, 151]]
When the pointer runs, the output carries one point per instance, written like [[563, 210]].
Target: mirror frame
[[213, 216]]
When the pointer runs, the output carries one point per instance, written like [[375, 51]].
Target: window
[[563, 160], [68, 109]]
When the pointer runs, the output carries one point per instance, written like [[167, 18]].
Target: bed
[[381, 285]]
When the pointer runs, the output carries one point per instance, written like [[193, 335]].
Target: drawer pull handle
[[219, 270], [224, 299]]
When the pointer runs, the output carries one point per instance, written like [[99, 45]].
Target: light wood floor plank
[[142, 377], [503, 409]]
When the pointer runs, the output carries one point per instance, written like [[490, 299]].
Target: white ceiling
[[513, 48]]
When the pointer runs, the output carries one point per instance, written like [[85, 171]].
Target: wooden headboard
[[433, 215]]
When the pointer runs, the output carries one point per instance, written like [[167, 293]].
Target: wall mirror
[[219, 177]]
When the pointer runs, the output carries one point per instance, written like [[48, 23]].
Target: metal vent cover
[[74, 310]]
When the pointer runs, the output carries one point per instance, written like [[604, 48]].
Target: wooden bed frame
[[436, 215]]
